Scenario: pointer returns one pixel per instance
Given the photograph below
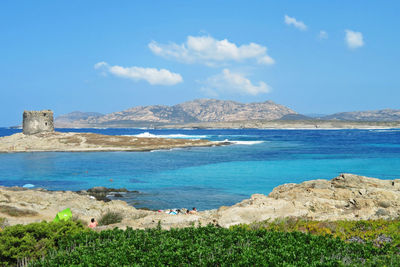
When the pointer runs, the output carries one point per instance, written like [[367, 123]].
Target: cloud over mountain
[[210, 51], [152, 75], [230, 82]]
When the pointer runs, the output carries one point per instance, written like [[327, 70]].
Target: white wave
[[160, 150], [384, 130], [248, 143], [237, 135], [178, 136], [182, 136], [145, 134]]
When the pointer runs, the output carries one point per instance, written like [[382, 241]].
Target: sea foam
[[181, 136], [249, 143]]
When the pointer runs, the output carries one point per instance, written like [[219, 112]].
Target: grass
[[110, 217], [3, 223], [16, 212]]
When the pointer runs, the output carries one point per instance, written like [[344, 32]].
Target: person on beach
[[93, 223], [193, 211], [172, 212]]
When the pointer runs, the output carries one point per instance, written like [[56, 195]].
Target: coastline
[[346, 197], [90, 142], [250, 124], [289, 125]]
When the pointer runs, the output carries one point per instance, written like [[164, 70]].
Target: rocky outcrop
[[58, 141], [200, 110], [103, 193], [346, 197], [44, 205]]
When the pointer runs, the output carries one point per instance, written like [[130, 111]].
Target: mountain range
[[200, 110], [372, 115], [208, 110]]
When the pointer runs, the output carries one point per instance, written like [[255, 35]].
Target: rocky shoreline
[[86, 142], [286, 124], [346, 197]]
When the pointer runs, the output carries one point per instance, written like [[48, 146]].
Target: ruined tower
[[37, 122]]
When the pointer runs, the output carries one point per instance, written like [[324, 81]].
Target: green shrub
[[33, 240], [378, 232], [110, 217], [3, 223], [211, 246]]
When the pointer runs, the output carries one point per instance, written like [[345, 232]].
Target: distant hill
[[375, 115], [295, 117], [200, 110], [210, 111], [315, 115], [69, 119]]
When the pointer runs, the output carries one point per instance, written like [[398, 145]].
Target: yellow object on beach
[[64, 215]]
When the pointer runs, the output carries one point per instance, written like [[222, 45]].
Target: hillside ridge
[[198, 110]]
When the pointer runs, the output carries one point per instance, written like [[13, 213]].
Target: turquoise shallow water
[[210, 177]]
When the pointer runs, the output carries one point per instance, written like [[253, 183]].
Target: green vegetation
[[212, 246], [110, 217], [25, 242], [379, 232], [3, 223], [288, 242]]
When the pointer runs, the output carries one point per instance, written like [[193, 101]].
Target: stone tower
[[37, 122]]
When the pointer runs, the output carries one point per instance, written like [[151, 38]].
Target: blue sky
[[312, 56]]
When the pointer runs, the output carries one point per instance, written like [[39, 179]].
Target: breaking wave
[[180, 136], [248, 143]]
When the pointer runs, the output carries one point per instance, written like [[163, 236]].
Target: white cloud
[[323, 35], [296, 23], [100, 65], [354, 39], [229, 82], [151, 75], [209, 51]]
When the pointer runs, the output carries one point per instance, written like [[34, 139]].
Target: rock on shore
[[347, 196], [57, 141]]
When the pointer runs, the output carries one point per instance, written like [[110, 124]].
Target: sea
[[208, 177]]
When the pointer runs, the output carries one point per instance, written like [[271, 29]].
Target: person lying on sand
[[172, 212], [193, 211], [93, 223]]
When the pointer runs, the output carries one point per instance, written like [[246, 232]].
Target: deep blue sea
[[209, 177]]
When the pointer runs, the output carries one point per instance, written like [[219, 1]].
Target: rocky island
[[81, 142], [346, 197], [39, 135]]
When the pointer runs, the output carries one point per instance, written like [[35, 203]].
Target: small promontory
[[77, 142]]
